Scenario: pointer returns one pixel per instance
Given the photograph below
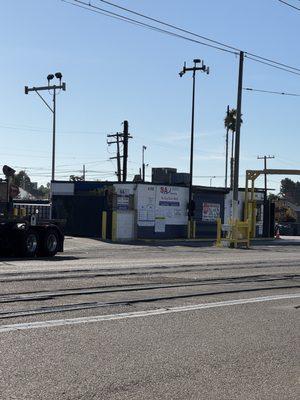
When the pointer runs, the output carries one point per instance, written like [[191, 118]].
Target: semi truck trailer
[[26, 236]]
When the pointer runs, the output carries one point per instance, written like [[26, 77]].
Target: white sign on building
[[159, 206]]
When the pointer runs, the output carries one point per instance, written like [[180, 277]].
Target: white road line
[[139, 314]]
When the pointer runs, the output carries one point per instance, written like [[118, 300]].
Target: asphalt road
[[151, 321]]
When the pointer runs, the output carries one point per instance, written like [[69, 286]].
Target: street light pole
[[54, 134], [143, 162], [205, 69], [60, 86]]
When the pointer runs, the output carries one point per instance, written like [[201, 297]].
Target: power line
[[169, 25], [92, 8], [271, 92], [194, 34], [289, 5], [273, 66], [40, 130]]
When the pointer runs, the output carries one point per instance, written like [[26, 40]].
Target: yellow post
[[114, 226], [104, 224], [189, 229], [246, 199], [219, 231]]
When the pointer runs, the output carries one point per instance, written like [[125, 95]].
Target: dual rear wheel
[[45, 245]]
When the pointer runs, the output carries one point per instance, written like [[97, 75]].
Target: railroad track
[[90, 273], [135, 293], [48, 295]]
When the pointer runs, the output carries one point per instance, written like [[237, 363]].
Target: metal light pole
[[61, 86], [205, 69], [143, 162]]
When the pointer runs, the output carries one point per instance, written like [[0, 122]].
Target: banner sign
[[211, 212], [161, 205]]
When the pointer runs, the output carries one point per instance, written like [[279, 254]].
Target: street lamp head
[[181, 73], [197, 61], [49, 78], [58, 75]]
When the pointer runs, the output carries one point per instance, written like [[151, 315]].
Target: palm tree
[[230, 125]]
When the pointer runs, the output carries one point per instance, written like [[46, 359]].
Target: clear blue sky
[[116, 71]]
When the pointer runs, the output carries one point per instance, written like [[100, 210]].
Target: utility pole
[[226, 160], [265, 158], [193, 69], [118, 159], [117, 136], [121, 137], [125, 149], [60, 86], [237, 140], [266, 210], [143, 163], [83, 172], [232, 160]]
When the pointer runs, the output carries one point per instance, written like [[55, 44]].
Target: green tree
[[22, 180]]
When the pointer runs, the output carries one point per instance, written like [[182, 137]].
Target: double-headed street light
[[53, 88], [195, 68]]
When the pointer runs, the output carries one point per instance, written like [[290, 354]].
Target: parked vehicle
[[27, 236]]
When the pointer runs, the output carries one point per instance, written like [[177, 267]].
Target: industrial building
[[142, 210]]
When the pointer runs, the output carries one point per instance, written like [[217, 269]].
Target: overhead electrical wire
[[271, 92], [289, 5], [270, 65], [194, 34], [92, 8], [168, 24], [233, 50]]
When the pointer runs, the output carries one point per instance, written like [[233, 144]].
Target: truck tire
[[50, 243], [29, 243]]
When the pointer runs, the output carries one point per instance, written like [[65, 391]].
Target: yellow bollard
[[219, 231], [104, 224], [114, 226]]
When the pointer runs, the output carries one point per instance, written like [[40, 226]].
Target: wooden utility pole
[[121, 137], [265, 158], [266, 222], [237, 140], [125, 149]]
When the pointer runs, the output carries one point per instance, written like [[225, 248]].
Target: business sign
[[161, 205], [211, 212]]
